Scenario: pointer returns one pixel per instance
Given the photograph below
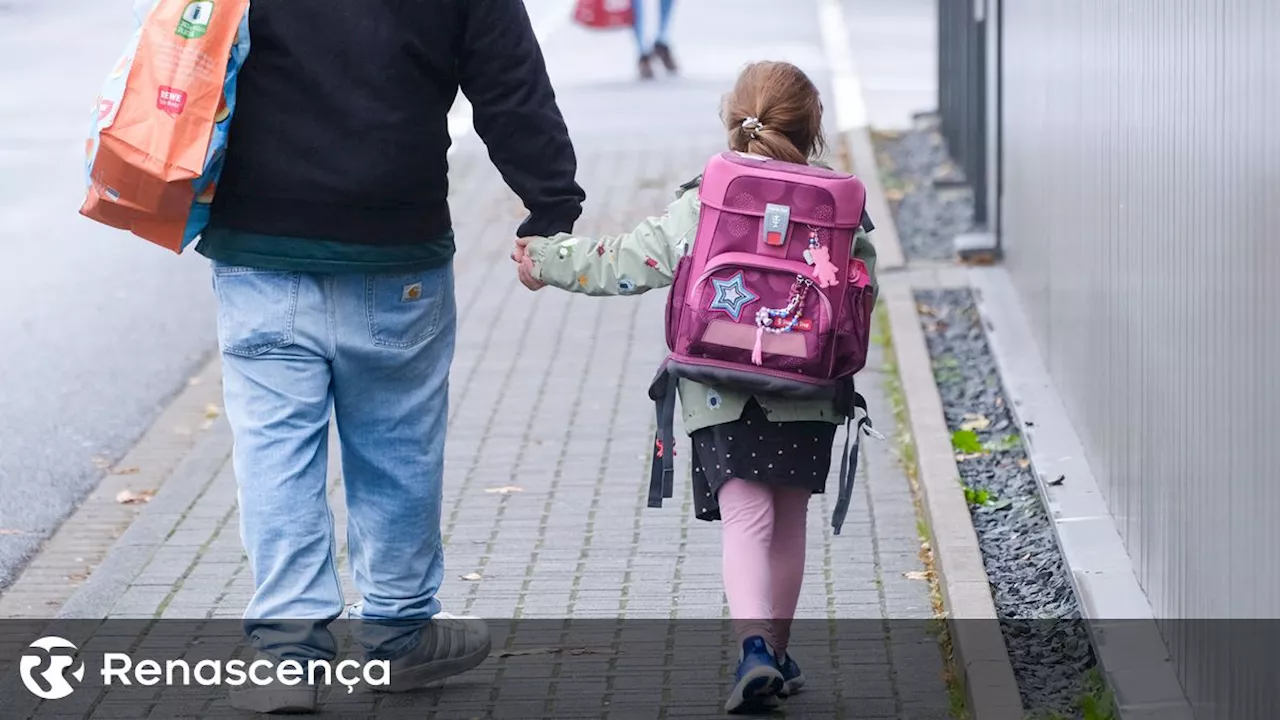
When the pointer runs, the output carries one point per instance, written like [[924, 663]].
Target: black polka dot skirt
[[792, 454]]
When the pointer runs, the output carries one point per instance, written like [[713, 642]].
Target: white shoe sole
[[755, 691], [792, 686]]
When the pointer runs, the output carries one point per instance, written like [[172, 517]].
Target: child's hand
[[524, 265]]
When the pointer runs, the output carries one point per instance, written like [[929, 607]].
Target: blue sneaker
[[758, 680], [792, 677]]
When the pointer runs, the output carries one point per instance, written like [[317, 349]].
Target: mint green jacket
[[645, 259]]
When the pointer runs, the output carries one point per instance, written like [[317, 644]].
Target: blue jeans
[[375, 351], [664, 20]]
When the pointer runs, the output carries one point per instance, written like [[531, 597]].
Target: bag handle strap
[[859, 424], [662, 473]]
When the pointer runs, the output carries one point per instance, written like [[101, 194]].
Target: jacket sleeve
[[503, 74], [629, 264]]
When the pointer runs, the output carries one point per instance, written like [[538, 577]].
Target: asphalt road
[[97, 328]]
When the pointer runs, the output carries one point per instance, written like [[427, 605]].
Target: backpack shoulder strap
[[691, 185], [663, 391]]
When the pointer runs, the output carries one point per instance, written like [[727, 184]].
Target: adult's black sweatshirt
[[341, 132]]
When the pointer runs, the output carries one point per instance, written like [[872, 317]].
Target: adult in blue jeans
[[332, 250], [659, 48]]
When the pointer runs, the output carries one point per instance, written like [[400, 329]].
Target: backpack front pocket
[[727, 315]]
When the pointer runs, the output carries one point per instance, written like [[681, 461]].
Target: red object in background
[[605, 14]]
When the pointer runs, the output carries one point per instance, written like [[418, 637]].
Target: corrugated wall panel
[[1141, 211]]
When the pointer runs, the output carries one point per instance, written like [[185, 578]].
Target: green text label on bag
[[195, 19]]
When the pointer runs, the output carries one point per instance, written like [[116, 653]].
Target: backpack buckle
[[777, 218]]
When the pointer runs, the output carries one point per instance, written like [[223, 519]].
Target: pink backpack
[[769, 300]]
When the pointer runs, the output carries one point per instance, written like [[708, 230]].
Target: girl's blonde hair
[[774, 110]]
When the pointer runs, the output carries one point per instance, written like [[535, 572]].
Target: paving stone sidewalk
[[545, 507], [546, 517]]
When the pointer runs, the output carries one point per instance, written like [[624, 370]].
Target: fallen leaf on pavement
[[129, 497], [473, 577], [552, 651], [974, 421], [1024, 463], [504, 490], [128, 471], [916, 575], [212, 411]]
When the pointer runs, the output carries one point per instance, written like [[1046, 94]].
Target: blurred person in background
[[659, 48]]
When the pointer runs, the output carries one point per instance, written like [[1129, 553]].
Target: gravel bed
[[912, 164], [1040, 617]]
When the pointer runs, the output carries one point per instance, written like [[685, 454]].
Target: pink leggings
[[763, 562]]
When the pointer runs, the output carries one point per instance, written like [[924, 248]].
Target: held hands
[[524, 265]]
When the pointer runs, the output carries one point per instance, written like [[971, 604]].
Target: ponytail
[[756, 138], [774, 111]]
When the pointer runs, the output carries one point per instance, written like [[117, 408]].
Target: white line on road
[[850, 106], [545, 24]]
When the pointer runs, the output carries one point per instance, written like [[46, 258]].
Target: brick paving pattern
[[545, 499], [545, 503]]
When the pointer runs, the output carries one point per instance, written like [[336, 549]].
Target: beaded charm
[[784, 320]]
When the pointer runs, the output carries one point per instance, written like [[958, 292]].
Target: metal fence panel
[[1141, 200], [962, 92]]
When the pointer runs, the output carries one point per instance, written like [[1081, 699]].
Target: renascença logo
[[45, 673], [55, 685]]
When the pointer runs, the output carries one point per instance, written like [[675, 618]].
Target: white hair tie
[[753, 126]]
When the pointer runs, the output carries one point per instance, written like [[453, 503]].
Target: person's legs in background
[[661, 47], [642, 48]]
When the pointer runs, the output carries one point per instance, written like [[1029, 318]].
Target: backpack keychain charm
[[784, 320], [817, 255]]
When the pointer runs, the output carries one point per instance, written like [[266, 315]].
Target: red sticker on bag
[[171, 100], [804, 325]]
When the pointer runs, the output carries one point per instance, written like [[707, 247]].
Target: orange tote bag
[[160, 125]]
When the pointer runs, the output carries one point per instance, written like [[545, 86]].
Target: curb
[[1122, 625], [982, 660], [862, 155], [67, 565]]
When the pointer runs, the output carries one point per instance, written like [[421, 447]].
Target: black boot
[[646, 68], [663, 51]]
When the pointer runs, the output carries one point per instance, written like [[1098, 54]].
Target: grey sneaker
[[450, 645], [276, 698]]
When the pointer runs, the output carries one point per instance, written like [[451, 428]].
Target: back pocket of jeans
[[404, 310], [256, 308]]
